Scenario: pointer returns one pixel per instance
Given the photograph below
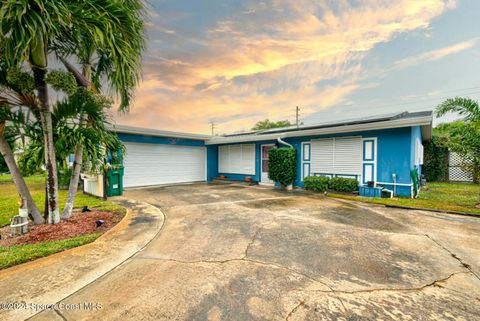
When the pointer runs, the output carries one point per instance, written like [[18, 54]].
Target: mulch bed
[[78, 224]]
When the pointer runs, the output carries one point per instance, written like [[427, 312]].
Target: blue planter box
[[370, 191]]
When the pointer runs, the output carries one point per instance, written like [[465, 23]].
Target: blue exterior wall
[[394, 155], [239, 176], [212, 162]]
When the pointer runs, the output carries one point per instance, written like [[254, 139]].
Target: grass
[[439, 196], [13, 255], [9, 198]]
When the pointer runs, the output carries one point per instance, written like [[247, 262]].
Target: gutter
[[283, 142]]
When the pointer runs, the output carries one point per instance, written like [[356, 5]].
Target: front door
[[264, 177]]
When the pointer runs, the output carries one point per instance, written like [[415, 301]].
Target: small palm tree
[[466, 107], [470, 110]]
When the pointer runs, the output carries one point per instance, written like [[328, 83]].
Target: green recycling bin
[[114, 181]]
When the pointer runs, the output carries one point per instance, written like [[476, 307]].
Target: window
[[418, 152], [237, 159], [338, 156]]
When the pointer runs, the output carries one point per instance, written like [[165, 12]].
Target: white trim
[[398, 123], [303, 162], [155, 132], [398, 184], [375, 157]]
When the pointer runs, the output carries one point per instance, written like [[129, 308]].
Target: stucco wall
[[394, 155]]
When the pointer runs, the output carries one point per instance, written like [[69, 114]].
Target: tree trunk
[[20, 184], [84, 81], [50, 160], [73, 187]]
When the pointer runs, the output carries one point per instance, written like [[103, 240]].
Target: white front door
[[264, 176]]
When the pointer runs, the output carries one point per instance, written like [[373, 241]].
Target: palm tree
[[466, 107], [90, 137], [470, 110], [32, 29], [16, 93], [117, 63]]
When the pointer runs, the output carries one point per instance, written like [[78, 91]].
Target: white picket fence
[[93, 185]]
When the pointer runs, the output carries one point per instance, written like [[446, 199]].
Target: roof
[[396, 120], [157, 133]]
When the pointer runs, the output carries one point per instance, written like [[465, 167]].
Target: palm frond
[[466, 107]]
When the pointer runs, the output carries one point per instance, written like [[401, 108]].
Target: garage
[[157, 164]]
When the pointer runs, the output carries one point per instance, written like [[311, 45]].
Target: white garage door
[[155, 164]]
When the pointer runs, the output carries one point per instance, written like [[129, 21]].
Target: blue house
[[382, 149]]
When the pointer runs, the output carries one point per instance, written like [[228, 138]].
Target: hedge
[[343, 184], [282, 165], [435, 163], [322, 183], [316, 183]]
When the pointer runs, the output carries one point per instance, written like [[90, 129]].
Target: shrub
[[342, 184], [316, 183], [435, 165], [282, 165]]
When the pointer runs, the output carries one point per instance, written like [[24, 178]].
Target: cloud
[[436, 54], [264, 59]]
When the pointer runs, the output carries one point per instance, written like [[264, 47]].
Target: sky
[[236, 62]]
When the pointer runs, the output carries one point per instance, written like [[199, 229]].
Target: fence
[[455, 171]]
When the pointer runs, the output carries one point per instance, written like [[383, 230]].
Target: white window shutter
[[322, 156], [348, 155], [237, 159], [340, 156]]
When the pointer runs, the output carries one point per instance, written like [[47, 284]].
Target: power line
[[376, 107]]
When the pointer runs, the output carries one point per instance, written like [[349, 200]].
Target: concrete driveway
[[229, 252]]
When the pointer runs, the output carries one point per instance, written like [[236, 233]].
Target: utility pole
[[213, 127], [297, 114]]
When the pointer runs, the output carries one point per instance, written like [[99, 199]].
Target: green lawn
[[440, 196], [9, 198], [13, 255]]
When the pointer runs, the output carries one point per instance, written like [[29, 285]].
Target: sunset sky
[[237, 62]]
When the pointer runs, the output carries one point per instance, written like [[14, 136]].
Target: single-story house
[[382, 149]]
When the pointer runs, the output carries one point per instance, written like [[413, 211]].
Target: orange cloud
[[269, 58]]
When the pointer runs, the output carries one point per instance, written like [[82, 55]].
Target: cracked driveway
[[229, 252]]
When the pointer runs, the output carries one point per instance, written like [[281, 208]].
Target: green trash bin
[[115, 182]]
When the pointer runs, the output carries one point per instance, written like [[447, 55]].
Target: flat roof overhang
[[122, 129], [425, 123]]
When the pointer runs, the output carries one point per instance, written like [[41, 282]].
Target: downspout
[[283, 142]]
